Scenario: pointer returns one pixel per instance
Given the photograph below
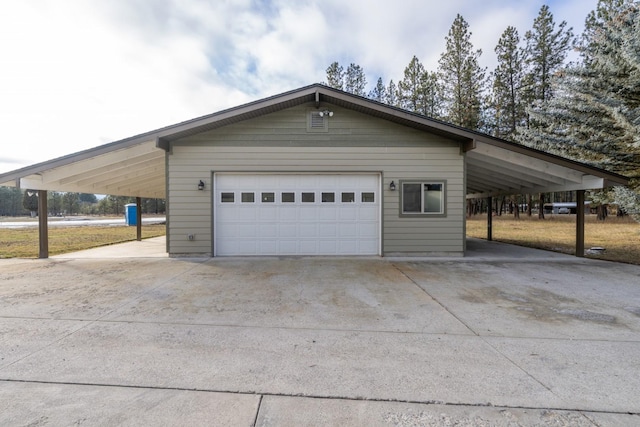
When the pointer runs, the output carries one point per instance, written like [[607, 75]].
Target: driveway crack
[[255, 420], [444, 307]]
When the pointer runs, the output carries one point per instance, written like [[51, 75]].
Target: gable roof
[[135, 166]]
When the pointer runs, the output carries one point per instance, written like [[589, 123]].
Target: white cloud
[[76, 74]]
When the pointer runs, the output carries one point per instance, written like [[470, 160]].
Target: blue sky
[[75, 74]]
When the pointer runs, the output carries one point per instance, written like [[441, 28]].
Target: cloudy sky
[[75, 74]]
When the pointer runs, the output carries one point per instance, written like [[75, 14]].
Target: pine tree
[[392, 94], [507, 104], [589, 41], [595, 112], [335, 76], [411, 86], [546, 51], [355, 81], [463, 79], [433, 100], [379, 92]]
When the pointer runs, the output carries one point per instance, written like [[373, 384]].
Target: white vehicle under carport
[[564, 208]]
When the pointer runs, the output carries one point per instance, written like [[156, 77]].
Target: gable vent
[[316, 122]]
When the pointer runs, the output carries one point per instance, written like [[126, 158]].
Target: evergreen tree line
[[587, 111], [460, 91], [16, 202]]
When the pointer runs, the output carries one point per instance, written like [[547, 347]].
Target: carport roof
[[136, 166]]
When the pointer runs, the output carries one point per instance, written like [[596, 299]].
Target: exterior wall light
[[201, 185], [392, 186], [325, 113]]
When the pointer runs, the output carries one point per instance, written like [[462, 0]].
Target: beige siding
[[355, 143]]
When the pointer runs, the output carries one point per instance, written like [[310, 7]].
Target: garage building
[[314, 171]]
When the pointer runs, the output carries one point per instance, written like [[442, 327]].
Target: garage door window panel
[[328, 197], [348, 197], [425, 198], [288, 197], [248, 198], [368, 197]]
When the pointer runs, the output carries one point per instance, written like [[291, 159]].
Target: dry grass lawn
[[23, 242], [619, 236]]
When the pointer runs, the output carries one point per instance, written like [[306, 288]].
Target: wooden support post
[[43, 225], [580, 223], [138, 219], [489, 218]]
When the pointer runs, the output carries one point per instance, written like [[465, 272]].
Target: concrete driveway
[[506, 336]]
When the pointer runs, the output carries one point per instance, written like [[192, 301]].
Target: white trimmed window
[[422, 198]]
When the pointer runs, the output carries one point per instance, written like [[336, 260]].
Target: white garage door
[[297, 214]]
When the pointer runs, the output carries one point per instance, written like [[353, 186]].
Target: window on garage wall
[[426, 198]]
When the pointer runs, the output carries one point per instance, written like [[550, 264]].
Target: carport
[[137, 166]]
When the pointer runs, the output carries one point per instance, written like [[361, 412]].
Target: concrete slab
[[591, 375], [580, 299], [543, 339], [354, 365], [83, 288], [36, 404], [294, 411], [154, 247], [337, 294], [483, 250], [22, 337], [477, 250]]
